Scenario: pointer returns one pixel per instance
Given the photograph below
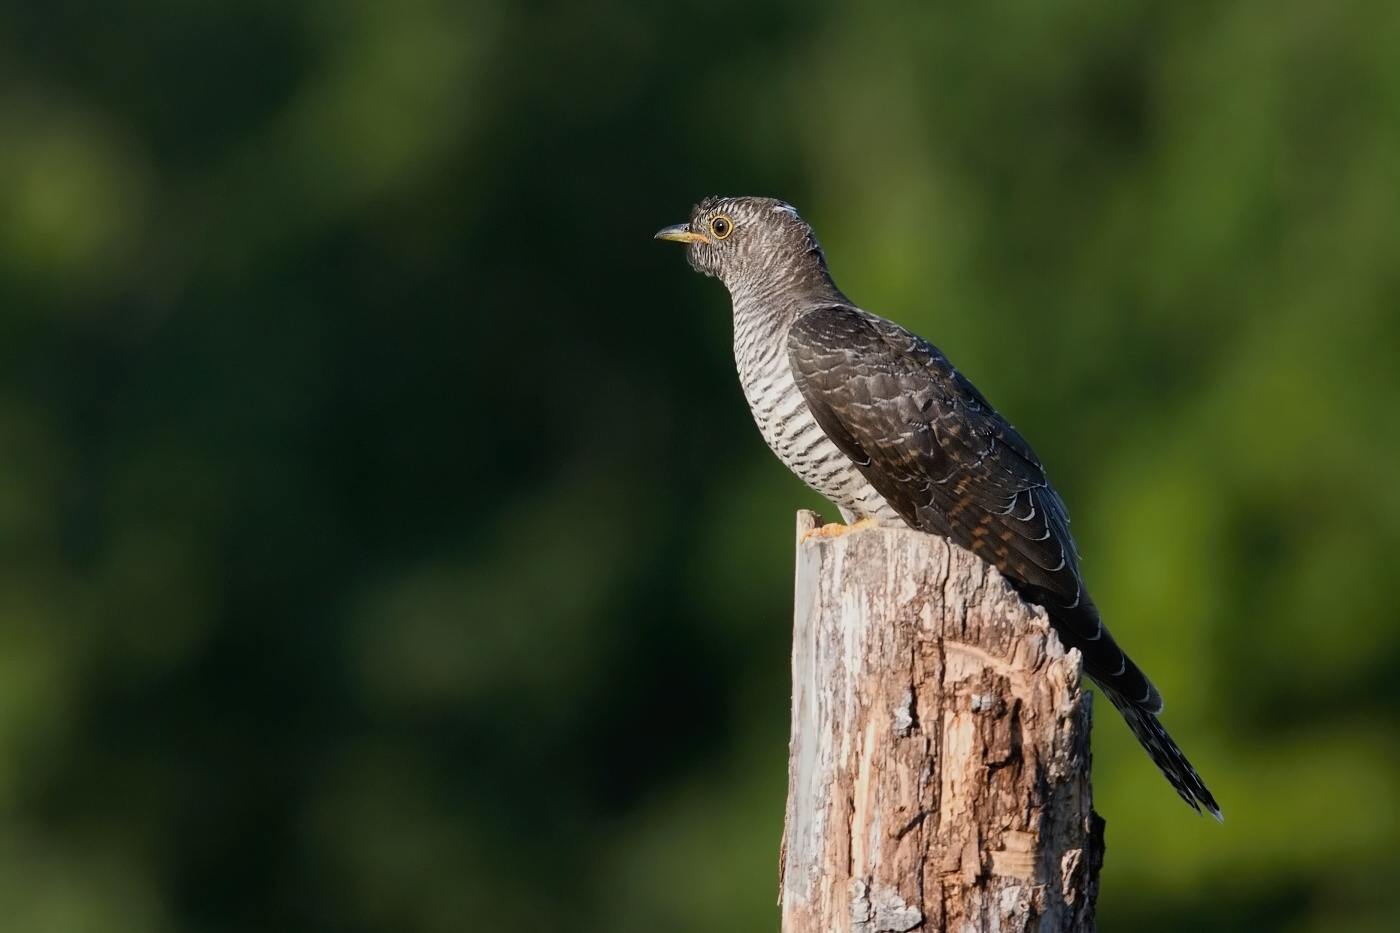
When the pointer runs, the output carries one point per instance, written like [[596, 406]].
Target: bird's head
[[750, 243]]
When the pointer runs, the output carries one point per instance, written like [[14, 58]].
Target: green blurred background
[[384, 541]]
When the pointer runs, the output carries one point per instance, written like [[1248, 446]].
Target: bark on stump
[[939, 765]]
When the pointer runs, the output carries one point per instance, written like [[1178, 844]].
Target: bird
[[877, 420]]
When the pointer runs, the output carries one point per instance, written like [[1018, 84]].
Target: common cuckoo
[[878, 421]]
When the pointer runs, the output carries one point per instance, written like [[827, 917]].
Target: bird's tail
[[1164, 753]]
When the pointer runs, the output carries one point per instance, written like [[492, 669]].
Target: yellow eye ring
[[721, 226]]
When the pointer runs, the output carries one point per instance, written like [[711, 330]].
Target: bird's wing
[[929, 443], [943, 458]]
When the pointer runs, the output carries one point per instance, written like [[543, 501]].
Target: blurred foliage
[[384, 544]]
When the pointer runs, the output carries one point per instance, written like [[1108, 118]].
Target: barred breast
[[793, 434]]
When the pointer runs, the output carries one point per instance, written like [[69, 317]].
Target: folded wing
[[948, 463]]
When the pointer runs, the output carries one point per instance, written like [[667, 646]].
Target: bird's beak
[[681, 233]]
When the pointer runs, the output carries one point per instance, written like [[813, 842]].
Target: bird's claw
[[836, 529]]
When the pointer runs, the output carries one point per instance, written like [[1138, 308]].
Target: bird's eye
[[721, 227]]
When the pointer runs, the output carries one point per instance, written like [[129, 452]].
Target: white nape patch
[[780, 208]]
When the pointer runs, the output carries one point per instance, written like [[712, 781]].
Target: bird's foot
[[836, 529]]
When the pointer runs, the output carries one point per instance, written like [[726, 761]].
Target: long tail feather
[[1165, 753]]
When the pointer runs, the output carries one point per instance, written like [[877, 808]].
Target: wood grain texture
[[939, 765]]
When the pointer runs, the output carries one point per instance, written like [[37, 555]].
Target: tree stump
[[939, 764]]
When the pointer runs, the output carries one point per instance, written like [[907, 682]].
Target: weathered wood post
[[939, 766]]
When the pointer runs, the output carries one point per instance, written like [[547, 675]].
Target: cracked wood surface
[[938, 776]]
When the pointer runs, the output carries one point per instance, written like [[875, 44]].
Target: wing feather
[[948, 463]]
